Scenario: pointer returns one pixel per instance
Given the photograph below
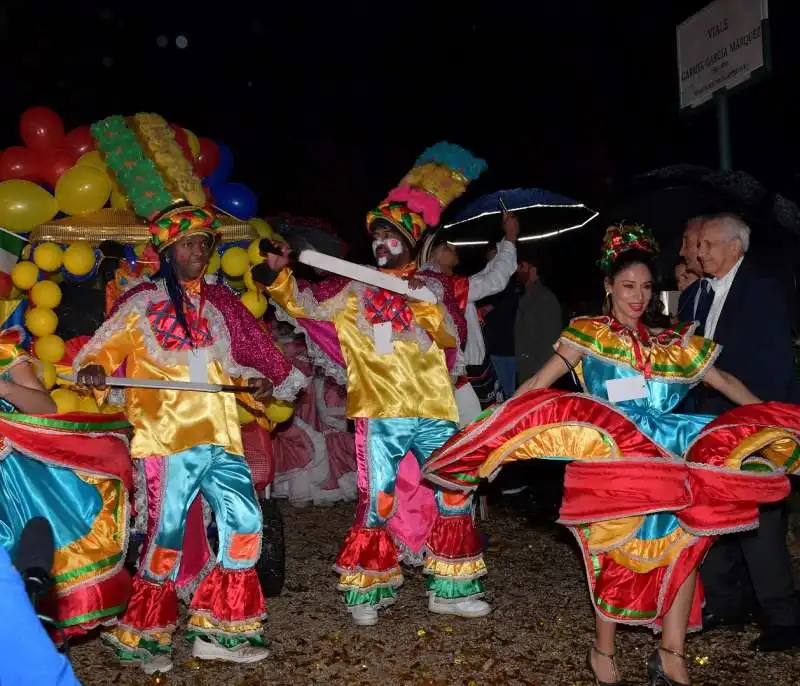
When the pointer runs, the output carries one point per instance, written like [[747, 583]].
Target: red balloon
[[19, 163], [80, 141], [207, 158], [182, 140], [41, 128], [53, 163]]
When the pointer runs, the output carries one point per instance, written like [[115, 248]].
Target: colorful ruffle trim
[[368, 550]]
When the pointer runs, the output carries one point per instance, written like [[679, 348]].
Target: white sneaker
[[364, 615], [469, 608], [156, 663], [241, 654]]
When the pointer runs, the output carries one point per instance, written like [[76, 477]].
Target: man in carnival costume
[[398, 355]]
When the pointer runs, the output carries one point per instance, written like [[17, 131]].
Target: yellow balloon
[[248, 282], [244, 416], [214, 263], [48, 374], [264, 230], [24, 205], [93, 158], [82, 189], [235, 262], [41, 321], [24, 275], [254, 252], [119, 201], [48, 256], [194, 144], [255, 302], [79, 259], [49, 348], [66, 400], [279, 411], [139, 249], [88, 405], [46, 294]]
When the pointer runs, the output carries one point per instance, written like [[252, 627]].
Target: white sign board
[[720, 47]]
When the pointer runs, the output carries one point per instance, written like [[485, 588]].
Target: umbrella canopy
[[546, 214]]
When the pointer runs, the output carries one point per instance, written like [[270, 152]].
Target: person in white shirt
[[745, 311], [441, 256]]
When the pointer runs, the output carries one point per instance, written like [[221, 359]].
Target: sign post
[[722, 48]]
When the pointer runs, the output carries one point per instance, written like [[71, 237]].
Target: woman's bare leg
[[605, 668], [676, 622]]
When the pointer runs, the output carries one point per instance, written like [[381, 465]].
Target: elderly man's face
[[689, 246], [717, 252]]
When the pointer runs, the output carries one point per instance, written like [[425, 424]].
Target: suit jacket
[[754, 330]]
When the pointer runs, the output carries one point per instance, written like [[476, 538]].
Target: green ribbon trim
[[49, 423], [623, 612], [469, 478], [453, 589], [373, 597], [228, 642], [626, 354], [91, 616], [67, 576]]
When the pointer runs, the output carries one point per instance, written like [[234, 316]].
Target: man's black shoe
[[712, 621], [777, 639]]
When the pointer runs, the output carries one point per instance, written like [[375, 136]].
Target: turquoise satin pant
[[381, 444], [226, 483]]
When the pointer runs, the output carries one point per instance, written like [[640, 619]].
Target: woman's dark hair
[[174, 289], [653, 316]]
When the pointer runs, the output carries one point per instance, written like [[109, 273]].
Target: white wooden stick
[[359, 272], [124, 382]]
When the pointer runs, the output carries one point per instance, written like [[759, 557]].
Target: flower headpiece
[[181, 222], [439, 176], [622, 237]]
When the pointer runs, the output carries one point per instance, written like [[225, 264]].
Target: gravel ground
[[538, 633]]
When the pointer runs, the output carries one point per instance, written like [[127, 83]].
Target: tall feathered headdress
[[439, 176]]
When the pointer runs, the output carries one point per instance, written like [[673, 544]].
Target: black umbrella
[[664, 199], [309, 233]]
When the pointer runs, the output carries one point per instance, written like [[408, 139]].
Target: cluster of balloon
[[233, 198], [51, 172]]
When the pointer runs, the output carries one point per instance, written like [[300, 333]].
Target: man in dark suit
[[744, 311]]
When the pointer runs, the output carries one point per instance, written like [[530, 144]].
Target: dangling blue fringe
[[455, 157]]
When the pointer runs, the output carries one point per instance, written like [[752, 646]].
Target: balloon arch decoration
[[65, 197]]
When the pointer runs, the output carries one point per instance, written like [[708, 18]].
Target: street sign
[[720, 48]]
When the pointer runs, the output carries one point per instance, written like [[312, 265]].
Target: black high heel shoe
[[594, 674], [655, 669]]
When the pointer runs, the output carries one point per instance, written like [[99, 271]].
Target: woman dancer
[[643, 523], [74, 471]]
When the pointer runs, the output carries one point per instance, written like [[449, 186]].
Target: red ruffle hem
[[229, 596], [453, 539], [153, 607], [367, 549]]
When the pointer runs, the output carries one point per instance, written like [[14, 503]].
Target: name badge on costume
[[629, 388], [198, 365], [382, 335]]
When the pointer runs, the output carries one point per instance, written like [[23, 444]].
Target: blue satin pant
[[381, 444], [226, 483]]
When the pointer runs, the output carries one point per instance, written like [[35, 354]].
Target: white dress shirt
[[722, 287]]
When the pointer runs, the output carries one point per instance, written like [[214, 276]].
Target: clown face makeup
[[386, 247]]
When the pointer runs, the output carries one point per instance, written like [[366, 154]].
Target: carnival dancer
[[416, 510], [74, 471], [178, 327], [399, 390], [649, 488]]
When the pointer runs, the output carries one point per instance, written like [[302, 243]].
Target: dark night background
[[326, 105]]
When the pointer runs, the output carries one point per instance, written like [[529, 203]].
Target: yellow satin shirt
[[412, 381], [168, 422]]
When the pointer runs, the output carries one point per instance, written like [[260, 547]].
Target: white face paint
[[393, 245]]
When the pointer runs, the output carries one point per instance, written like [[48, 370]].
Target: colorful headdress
[[144, 158], [622, 237], [440, 175], [181, 222]]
